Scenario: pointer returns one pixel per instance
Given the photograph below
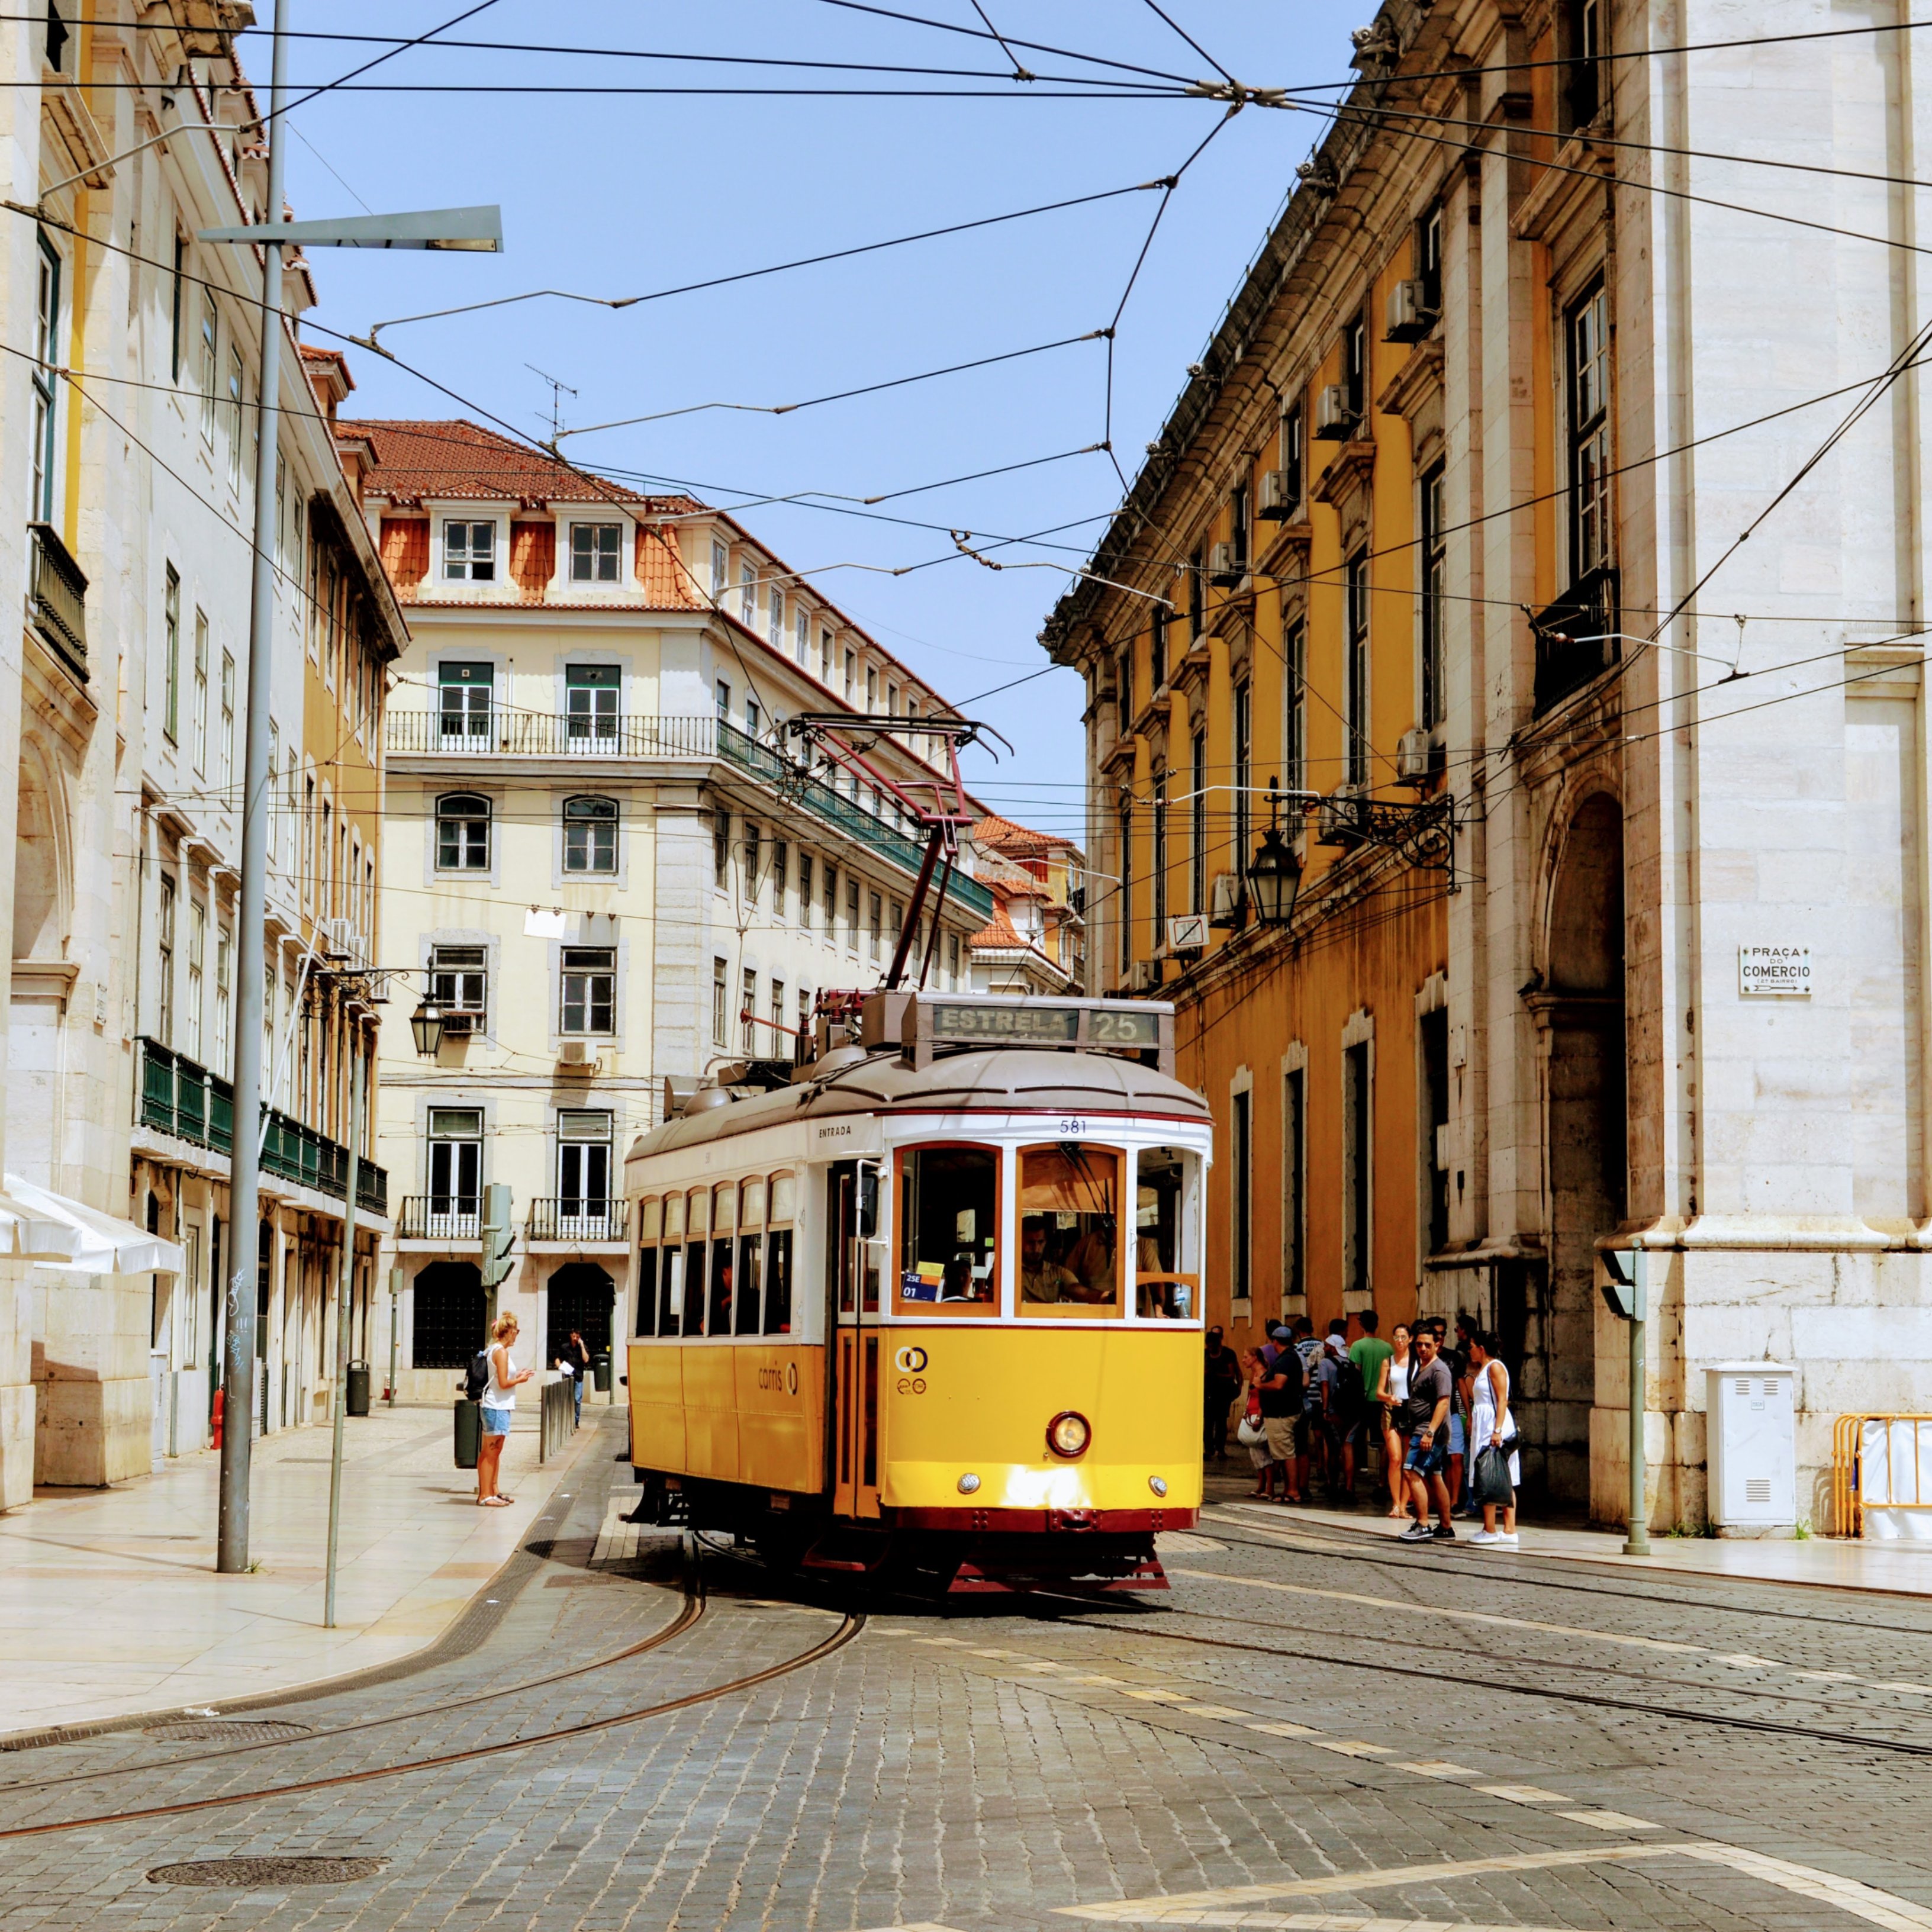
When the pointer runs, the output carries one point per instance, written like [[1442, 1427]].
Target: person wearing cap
[[1280, 1390]]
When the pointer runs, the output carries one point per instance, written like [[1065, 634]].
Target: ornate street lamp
[[426, 1023], [1274, 873]]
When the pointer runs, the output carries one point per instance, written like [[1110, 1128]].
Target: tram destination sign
[[1135, 1027]]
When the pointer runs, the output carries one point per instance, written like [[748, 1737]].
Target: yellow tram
[[935, 1302]]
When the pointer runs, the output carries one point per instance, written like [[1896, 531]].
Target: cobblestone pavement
[[1314, 1731]]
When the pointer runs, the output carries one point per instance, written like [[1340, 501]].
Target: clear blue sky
[[623, 195]]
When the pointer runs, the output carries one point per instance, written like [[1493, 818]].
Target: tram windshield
[[1069, 1230], [1167, 1281], [948, 1226]]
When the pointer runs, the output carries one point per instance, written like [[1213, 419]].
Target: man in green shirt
[[1368, 1353]]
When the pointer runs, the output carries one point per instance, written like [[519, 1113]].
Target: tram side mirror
[[868, 1202]]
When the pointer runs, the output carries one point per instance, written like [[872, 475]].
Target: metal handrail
[[502, 731], [58, 593], [180, 1098], [568, 1217], [440, 1217]]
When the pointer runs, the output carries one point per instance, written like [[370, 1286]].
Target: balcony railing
[[505, 732], [1575, 639], [573, 1218], [178, 1097], [858, 825], [499, 730], [441, 1217], [57, 598]]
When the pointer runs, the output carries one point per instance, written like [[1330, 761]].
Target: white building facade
[[603, 862], [127, 483]]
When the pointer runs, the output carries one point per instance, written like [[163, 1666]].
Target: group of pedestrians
[[1308, 1407]]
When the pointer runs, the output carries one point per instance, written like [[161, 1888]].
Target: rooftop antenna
[[558, 391]]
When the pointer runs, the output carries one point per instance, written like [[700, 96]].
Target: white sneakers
[[1496, 1539]]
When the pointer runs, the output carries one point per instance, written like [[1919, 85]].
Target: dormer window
[[470, 552], [596, 552]]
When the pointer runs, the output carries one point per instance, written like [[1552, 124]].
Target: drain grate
[[227, 1731], [252, 1873]]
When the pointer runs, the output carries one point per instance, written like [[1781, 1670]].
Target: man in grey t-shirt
[[1429, 1383]]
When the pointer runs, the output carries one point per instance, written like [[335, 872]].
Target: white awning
[[48, 1227]]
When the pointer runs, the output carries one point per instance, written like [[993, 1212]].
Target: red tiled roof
[[1016, 842], [453, 460]]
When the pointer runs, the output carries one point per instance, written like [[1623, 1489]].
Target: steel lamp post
[[475, 229]]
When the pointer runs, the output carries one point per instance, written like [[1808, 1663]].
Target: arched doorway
[[1580, 1013], [449, 1314], [580, 1298]]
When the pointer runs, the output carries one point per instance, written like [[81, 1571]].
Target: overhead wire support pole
[[345, 1294], [250, 911]]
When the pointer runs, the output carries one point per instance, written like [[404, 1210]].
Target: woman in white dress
[[1490, 1421], [1392, 1391]]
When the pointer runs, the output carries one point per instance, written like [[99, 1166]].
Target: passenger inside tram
[[948, 1210], [1161, 1292], [1068, 1196]]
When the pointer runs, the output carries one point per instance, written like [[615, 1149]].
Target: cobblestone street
[[1315, 1730]]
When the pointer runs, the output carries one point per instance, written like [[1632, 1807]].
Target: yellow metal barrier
[[1848, 1475]]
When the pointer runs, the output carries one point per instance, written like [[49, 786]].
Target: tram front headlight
[[1069, 1433], [1158, 1484], [969, 1484]]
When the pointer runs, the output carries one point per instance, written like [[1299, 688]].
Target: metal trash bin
[[600, 1367], [358, 1388], [469, 1432]]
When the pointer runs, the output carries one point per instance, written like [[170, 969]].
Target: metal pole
[[1637, 1540], [251, 908], [395, 1336], [344, 1290]]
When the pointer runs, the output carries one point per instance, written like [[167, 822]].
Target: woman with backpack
[[500, 1403]]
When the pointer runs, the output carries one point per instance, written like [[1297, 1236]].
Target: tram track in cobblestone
[[690, 1612], [1733, 1720], [851, 1623], [1411, 1561]]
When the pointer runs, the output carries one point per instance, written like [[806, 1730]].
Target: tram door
[[854, 1269]]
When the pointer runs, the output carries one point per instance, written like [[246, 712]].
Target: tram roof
[[998, 1080]]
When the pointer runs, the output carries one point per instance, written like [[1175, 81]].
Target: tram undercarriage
[[985, 1552]]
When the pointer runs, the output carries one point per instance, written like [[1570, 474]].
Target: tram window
[[949, 1223], [671, 1267], [783, 1203], [750, 1271], [777, 1283], [697, 1252], [647, 1291], [1167, 1282], [1070, 1198], [650, 1222], [670, 1291], [750, 1256]]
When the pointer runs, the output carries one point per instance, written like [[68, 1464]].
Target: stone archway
[[1579, 1015], [580, 1295]]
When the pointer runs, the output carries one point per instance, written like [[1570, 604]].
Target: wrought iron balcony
[[577, 1218], [178, 1097], [1576, 639], [57, 598], [441, 1217], [500, 732]]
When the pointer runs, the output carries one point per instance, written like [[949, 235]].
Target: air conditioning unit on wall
[[581, 1054], [1411, 314], [1276, 506], [1334, 418]]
